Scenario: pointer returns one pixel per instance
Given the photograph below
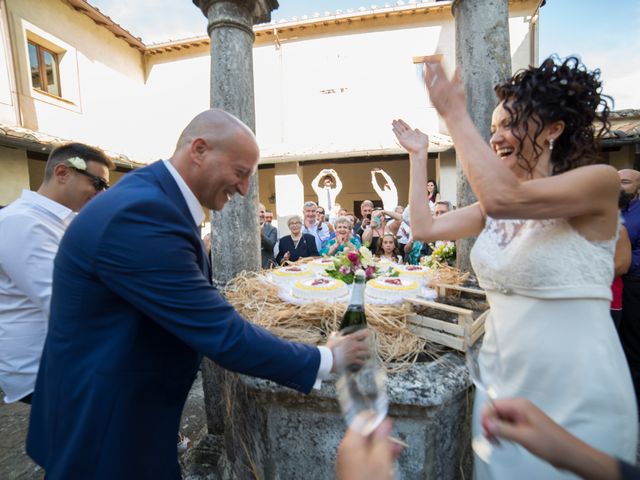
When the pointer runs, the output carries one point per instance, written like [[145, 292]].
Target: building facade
[[327, 88]]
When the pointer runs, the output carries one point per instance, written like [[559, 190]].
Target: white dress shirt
[[326, 357], [31, 229]]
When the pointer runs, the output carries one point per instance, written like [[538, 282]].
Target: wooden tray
[[448, 333]]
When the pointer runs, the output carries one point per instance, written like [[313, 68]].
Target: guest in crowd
[[518, 420], [366, 208], [296, 245], [378, 226], [327, 185], [546, 226], [323, 220], [432, 194], [268, 216], [344, 239], [388, 248], [133, 309], [268, 239], [441, 208], [31, 229], [630, 325], [388, 193], [319, 230]]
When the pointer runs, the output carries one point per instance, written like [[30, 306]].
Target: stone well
[[272, 432]]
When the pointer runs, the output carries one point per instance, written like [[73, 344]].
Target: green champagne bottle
[[354, 318]]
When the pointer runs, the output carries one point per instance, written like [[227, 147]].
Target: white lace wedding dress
[[551, 339]]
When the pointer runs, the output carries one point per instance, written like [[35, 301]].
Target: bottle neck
[[357, 295]]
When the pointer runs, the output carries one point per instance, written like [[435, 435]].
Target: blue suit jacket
[[132, 310]]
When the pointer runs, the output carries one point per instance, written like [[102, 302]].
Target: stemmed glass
[[482, 446], [362, 390]]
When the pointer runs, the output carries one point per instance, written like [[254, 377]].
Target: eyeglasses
[[99, 183], [295, 223]]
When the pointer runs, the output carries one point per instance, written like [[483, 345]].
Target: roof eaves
[[102, 20]]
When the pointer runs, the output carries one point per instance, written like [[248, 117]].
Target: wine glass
[[362, 390], [482, 446]]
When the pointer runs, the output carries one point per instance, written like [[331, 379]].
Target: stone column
[[230, 28], [483, 55], [231, 31]]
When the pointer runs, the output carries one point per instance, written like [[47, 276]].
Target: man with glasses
[[31, 229]]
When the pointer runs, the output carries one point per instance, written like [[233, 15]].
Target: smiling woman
[[546, 226]]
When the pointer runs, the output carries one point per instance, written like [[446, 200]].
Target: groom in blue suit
[[133, 310]]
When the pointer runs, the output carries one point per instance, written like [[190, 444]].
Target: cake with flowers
[[412, 272], [288, 275], [322, 289], [392, 289], [321, 264]]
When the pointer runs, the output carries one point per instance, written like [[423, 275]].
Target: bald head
[[629, 180], [215, 126], [216, 155]]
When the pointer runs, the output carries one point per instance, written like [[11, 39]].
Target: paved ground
[[14, 419]]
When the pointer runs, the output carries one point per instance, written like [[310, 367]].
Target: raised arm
[[315, 183], [583, 191], [374, 183], [461, 223], [389, 180], [338, 188]]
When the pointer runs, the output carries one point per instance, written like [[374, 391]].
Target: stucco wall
[[14, 173], [102, 78]]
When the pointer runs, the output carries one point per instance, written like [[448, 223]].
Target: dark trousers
[[630, 328]]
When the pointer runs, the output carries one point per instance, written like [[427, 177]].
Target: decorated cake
[[413, 272], [288, 275], [326, 289], [392, 288], [321, 264]]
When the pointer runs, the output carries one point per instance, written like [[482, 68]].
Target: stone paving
[[14, 421]]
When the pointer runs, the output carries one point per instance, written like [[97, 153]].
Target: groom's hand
[[349, 349]]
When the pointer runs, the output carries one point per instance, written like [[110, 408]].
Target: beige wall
[[102, 78], [14, 174]]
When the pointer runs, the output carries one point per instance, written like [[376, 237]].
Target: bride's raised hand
[[447, 95], [412, 140]]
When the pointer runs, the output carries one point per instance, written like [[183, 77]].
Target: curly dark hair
[[557, 90]]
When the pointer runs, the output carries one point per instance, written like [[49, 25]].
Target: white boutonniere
[[77, 162]]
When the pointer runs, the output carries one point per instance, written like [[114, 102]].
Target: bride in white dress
[[546, 221]]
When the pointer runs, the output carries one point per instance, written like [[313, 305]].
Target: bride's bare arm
[[461, 223], [590, 190]]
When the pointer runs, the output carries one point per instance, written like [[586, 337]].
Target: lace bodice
[[542, 258]]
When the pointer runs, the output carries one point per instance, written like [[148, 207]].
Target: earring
[[551, 144]]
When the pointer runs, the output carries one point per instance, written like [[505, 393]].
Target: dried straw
[[257, 300]]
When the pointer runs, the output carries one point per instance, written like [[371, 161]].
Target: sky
[[604, 33]]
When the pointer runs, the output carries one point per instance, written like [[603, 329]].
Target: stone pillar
[[231, 31], [230, 28], [483, 55]]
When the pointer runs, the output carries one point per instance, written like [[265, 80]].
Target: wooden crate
[[450, 334]]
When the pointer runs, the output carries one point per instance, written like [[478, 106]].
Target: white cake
[[326, 289], [288, 275], [392, 288], [412, 272], [321, 264]]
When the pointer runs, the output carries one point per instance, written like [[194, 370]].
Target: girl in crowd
[[388, 248], [297, 244], [547, 224], [432, 194]]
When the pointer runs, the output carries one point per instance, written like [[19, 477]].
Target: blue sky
[[605, 33]]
